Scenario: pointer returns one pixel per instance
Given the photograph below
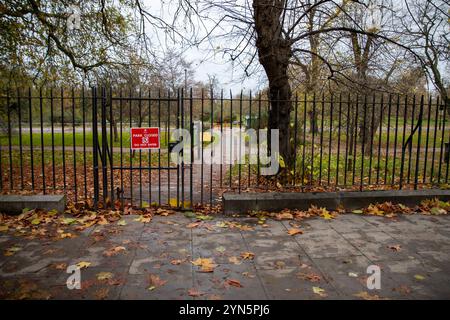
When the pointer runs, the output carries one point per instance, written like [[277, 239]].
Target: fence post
[[95, 145], [104, 148]]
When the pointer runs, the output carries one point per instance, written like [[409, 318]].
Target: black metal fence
[[77, 142]]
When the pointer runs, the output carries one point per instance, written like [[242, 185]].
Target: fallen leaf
[[437, 211], [221, 224], [233, 283], [419, 277], [11, 251], [83, 264], [193, 225], [68, 220], [234, 260], [205, 264], [366, 296], [358, 211], [36, 221], [104, 275], [374, 210], [204, 217], [221, 249], [294, 231], [247, 255], [122, 223], [102, 221], [155, 282], [102, 293], [195, 293], [319, 291], [143, 219], [405, 290], [176, 262], [190, 214], [309, 276], [395, 247], [113, 251], [60, 266], [284, 216]]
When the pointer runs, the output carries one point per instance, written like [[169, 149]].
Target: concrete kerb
[[14, 204], [234, 203]]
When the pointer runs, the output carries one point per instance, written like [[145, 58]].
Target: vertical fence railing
[[77, 141]]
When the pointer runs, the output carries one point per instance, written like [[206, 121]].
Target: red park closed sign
[[145, 138]]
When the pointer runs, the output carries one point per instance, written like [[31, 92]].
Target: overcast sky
[[204, 61]]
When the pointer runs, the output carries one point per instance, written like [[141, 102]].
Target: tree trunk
[[274, 52], [313, 126]]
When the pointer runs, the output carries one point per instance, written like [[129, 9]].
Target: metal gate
[[140, 177]]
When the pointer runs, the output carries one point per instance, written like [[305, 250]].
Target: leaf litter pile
[[77, 217]]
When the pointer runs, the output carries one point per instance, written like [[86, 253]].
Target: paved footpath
[[154, 261]]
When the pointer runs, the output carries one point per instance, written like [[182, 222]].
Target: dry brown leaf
[[205, 264], [113, 251], [234, 260], [247, 255], [395, 247], [195, 292], [193, 225], [233, 283], [154, 282], [294, 231]]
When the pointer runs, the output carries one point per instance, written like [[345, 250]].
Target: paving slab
[[154, 260], [326, 243]]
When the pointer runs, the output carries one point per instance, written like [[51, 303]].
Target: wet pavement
[[242, 259]]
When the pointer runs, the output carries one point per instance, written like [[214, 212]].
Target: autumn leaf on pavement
[[102, 293], [68, 221], [419, 277], [60, 266], [176, 262], [122, 223], [294, 231], [205, 264], [113, 251], [366, 296], [247, 255], [143, 219], [233, 283], [221, 249], [374, 210], [234, 260], [284, 216], [104, 275], [326, 215], [195, 293], [319, 291], [154, 282], [102, 221], [395, 247], [83, 264], [193, 225], [11, 251], [309, 276]]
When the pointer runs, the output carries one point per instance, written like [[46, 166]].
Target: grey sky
[[204, 61]]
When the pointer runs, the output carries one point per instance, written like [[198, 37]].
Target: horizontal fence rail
[[77, 142]]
